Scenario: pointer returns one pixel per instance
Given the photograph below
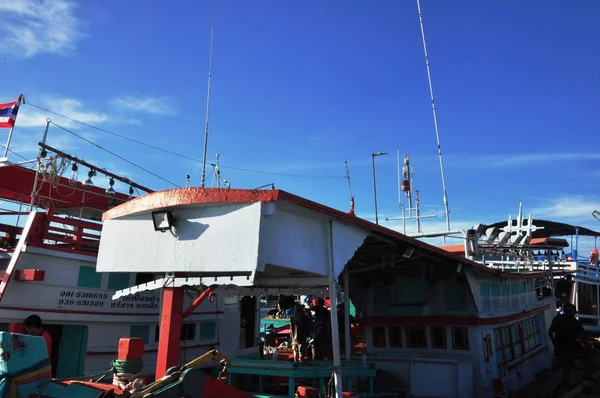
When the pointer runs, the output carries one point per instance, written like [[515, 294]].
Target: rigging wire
[[14, 153], [115, 155], [179, 154]]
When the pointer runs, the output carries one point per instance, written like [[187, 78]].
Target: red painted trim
[[450, 320], [59, 311], [183, 347], [171, 323], [189, 196]]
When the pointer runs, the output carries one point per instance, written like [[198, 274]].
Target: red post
[[171, 323]]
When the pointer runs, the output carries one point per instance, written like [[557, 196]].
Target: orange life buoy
[[594, 256]]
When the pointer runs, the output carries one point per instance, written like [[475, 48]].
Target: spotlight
[[89, 181]]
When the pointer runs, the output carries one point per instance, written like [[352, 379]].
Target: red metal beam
[[169, 338], [206, 293]]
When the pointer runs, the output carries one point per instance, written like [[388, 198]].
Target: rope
[[127, 374]]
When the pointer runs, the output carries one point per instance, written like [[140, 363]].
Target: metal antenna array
[[405, 185]]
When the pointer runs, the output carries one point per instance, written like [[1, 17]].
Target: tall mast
[[435, 123], [210, 58]]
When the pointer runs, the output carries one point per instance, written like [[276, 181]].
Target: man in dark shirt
[[563, 290], [569, 339]]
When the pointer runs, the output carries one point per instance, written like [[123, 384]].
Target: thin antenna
[[435, 123], [399, 182], [212, 36], [350, 188]]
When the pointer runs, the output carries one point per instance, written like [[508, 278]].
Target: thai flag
[[8, 113]]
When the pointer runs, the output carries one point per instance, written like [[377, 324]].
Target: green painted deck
[[318, 371]]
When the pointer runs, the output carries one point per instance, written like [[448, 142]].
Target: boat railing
[[9, 235], [588, 271], [66, 234]]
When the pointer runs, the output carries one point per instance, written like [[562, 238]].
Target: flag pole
[[10, 133], [8, 142]]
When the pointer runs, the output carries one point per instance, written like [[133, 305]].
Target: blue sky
[[301, 87]]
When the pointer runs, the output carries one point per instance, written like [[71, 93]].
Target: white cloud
[[32, 27], [154, 105], [497, 161], [30, 116], [573, 207]]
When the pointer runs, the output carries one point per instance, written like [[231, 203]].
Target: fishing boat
[[48, 260], [432, 320]]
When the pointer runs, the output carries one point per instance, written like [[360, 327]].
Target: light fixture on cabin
[[73, 178], [408, 252], [89, 181], [163, 220], [111, 190]]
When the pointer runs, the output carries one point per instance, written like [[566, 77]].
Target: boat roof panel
[[65, 197], [551, 228], [194, 196]]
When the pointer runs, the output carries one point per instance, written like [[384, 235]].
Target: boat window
[[395, 336], [143, 277], [379, 336], [460, 339], [208, 330], [140, 331], [511, 342], [438, 337], [4, 263], [188, 331], [118, 280], [416, 337], [88, 277]]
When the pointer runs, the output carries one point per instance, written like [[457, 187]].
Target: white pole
[[347, 340], [212, 35], [8, 142], [37, 171], [435, 122], [335, 333]]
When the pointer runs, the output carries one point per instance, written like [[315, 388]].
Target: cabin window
[[143, 277], [513, 341], [495, 290], [416, 337], [395, 336], [438, 337], [118, 280], [485, 290], [88, 277], [505, 290], [188, 331], [379, 336], [139, 331], [522, 287], [208, 330], [460, 339], [454, 297]]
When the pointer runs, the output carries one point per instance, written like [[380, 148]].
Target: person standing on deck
[[569, 340], [322, 345], [33, 326], [300, 331]]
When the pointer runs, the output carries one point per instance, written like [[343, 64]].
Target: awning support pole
[[347, 339], [335, 333]]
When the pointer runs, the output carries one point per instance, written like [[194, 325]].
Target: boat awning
[[260, 238], [60, 193]]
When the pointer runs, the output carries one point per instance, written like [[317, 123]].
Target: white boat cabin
[[441, 325]]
